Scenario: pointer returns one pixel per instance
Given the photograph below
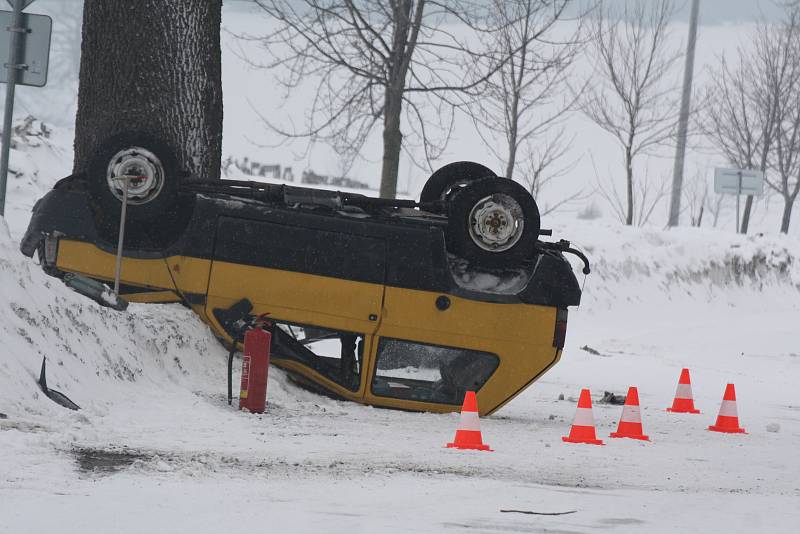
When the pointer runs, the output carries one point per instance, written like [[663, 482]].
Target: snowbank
[[644, 266], [93, 353], [40, 156]]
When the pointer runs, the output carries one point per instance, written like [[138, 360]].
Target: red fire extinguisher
[[255, 367]]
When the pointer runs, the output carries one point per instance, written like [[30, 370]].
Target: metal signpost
[[27, 56], [738, 182]]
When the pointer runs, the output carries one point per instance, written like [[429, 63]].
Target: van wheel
[[154, 175], [493, 222], [452, 176]]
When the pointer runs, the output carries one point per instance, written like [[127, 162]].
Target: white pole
[[683, 119]]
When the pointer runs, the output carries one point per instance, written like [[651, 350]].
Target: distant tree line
[[752, 111], [406, 68], [401, 67]]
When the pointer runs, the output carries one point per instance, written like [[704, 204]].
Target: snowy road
[[190, 464], [334, 467]]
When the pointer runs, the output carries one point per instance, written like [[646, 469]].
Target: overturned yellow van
[[393, 303]]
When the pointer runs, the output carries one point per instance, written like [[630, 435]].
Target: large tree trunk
[[153, 66], [404, 39]]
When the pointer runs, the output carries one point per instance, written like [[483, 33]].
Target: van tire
[[152, 219], [493, 222]]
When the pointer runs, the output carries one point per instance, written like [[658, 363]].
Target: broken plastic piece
[[55, 396]]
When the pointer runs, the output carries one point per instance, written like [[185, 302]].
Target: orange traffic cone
[[630, 424], [728, 418], [468, 435], [582, 430], [683, 403]]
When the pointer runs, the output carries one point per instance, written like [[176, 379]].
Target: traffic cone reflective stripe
[[728, 418], [728, 409], [683, 391], [684, 402], [583, 417], [468, 435], [582, 430], [470, 421], [630, 424]]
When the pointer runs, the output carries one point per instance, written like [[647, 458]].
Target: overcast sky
[[722, 11], [711, 11]]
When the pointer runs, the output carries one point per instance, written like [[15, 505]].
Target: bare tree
[[648, 193], [786, 163], [632, 95], [739, 113], [375, 62], [546, 162], [528, 94], [782, 86], [714, 207], [695, 196]]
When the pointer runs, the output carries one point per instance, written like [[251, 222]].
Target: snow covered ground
[[156, 448]]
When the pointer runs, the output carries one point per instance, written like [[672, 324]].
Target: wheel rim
[[145, 172], [496, 223]]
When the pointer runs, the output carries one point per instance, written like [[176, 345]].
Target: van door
[[431, 348], [299, 275]]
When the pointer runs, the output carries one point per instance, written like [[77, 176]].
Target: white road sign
[[34, 52], [738, 181]]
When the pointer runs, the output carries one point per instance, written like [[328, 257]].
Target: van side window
[[430, 373], [335, 354]]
